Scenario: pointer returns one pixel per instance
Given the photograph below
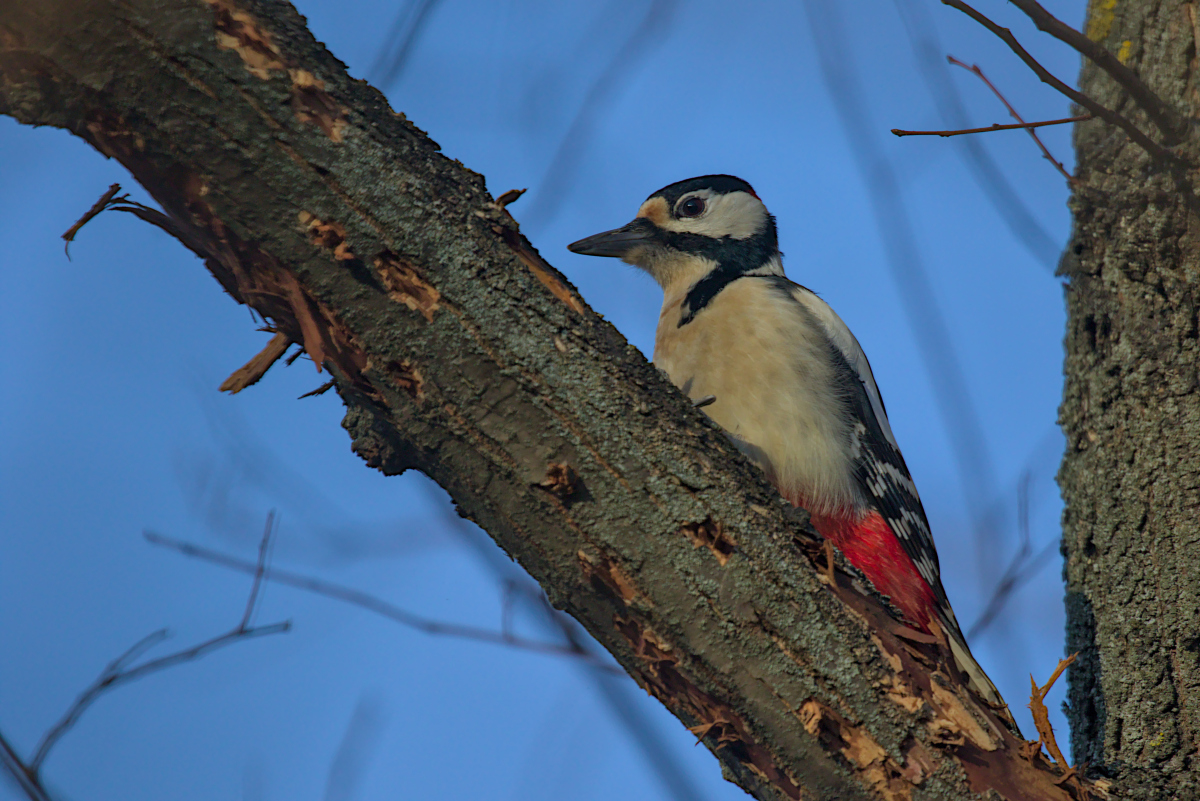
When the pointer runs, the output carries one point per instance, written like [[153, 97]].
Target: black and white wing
[[877, 462]]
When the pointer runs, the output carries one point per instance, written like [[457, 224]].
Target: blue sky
[[112, 423]]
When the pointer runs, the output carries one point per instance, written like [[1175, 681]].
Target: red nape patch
[[870, 545]]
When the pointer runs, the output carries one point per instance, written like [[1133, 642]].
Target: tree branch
[[117, 672], [1108, 115], [363, 600], [975, 70], [460, 352], [994, 127], [1166, 119]]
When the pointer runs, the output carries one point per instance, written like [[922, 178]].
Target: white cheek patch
[[738, 215]]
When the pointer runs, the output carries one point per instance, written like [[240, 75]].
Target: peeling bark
[[460, 352], [1131, 415]]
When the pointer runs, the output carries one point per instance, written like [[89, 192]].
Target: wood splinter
[[510, 197], [253, 370]]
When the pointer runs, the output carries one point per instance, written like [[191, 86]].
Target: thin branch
[[26, 780], [290, 360], [1041, 715], [109, 201], [1145, 142], [974, 68], [1014, 578], [1025, 225], [116, 673], [371, 603], [260, 568], [995, 127], [1163, 116]]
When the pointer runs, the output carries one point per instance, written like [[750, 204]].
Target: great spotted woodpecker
[[792, 387]]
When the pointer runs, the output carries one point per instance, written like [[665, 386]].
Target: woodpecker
[[772, 364]]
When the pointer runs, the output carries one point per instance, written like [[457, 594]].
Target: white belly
[[769, 366]]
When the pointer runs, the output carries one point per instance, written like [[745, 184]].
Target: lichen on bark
[[1131, 415]]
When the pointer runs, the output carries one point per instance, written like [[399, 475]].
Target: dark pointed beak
[[617, 242]]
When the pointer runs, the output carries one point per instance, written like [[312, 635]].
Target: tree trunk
[[459, 352], [1131, 415]]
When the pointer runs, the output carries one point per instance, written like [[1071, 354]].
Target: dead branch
[[1069, 775], [321, 390]]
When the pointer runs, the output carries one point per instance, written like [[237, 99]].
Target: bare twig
[[109, 201], [1025, 225], [1108, 115], [290, 360], [260, 568], [27, 781], [1163, 116], [117, 673], [994, 127], [371, 603], [974, 68]]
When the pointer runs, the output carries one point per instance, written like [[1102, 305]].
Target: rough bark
[[1131, 415], [459, 352]]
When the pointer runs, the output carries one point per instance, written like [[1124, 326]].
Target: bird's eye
[[692, 207]]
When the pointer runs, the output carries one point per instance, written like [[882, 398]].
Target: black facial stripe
[[734, 258], [719, 184]]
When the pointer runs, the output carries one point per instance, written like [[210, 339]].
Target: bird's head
[[692, 228]]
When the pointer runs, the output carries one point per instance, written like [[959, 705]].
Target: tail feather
[[977, 679]]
